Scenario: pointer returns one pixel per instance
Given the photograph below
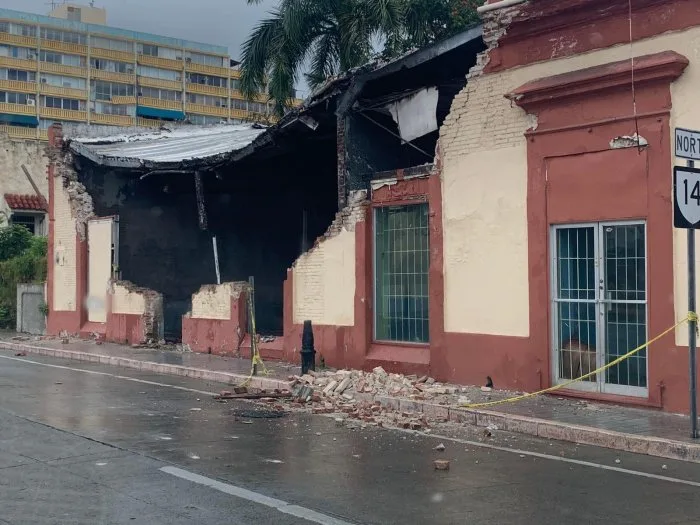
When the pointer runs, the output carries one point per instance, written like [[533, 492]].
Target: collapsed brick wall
[[81, 204], [130, 299], [213, 301], [324, 277], [480, 116]]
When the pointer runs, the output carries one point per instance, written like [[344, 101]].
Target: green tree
[[22, 260], [333, 36]]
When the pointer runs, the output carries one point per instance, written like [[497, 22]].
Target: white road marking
[[255, 497], [94, 372], [579, 462], [573, 461]]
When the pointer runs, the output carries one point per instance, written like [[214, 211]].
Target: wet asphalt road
[[81, 446]]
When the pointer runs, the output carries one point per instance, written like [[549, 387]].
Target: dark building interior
[[261, 209]]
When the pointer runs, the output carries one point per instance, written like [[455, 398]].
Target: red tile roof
[[25, 202]]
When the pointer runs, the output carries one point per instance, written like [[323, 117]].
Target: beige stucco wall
[[483, 149], [14, 154], [88, 15], [214, 301], [99, 268], [64, 281], [124, 301], [324, 282]]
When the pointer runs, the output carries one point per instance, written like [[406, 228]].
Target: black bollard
[[308, 353]]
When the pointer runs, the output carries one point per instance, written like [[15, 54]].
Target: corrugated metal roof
[[165, 148]]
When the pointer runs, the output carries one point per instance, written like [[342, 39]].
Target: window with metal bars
[[401, 262]]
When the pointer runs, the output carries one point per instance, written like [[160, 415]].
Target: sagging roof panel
[[191, 144]]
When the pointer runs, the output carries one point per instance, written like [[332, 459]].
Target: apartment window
[[162, 52], [162, 94], [257, 107], [401, 261], [62, 59], [114, 45], [207, 80], [46, 123], [203, 120], [17, 74], [207, 60], [112, 66], [63, 81], [239, 104], [148, 49], [63, 103], [10, 97], [235, 84], [115, 109], [25, 53], [163, 74], [106, 90], [17, 29], [48, 33], [207, 100]]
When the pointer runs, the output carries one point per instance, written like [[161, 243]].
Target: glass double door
[[599, 305]]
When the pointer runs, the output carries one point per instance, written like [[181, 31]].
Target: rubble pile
[[352, 393]]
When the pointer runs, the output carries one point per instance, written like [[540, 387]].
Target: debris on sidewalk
[[244, 393], [440, 447], [441, 464]]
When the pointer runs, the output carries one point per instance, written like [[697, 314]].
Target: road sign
[[686, 198], [687, 144]]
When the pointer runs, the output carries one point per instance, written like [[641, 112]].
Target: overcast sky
[[221, 22]]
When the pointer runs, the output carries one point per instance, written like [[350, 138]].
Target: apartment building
[[71, 66]]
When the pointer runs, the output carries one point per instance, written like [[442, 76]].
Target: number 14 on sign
[[686, 213]]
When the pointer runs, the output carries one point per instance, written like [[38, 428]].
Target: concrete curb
[[149, 366], [638, 444]]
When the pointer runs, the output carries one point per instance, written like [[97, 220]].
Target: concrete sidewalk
[[635, 430]]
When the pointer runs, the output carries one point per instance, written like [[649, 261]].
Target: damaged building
[[496, 205], [155, 234]]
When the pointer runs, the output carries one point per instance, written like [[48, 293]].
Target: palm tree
[[333, 36]]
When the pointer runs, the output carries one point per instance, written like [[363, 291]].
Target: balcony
[[18, 40], [110, 76], [148, 122], [63, 114], [48, 67], [239, 113], [58, 91], [43, 134], [64, 47], [159, 103], [165, 63], [112, 120], [18, 63], [17, 86], [123, 100], [207, 110], [191, 87], [19, 132], [17, 109], [160, 83], [121, 56], [207, 70]]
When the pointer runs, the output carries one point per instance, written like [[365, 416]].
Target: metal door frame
[[599, 386]]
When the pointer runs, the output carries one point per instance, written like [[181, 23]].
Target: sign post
[[686, 214]]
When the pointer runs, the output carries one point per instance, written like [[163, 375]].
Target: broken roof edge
[[139, 150]]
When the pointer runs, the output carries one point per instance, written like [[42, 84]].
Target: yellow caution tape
[[257, 360], [691, 317]]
